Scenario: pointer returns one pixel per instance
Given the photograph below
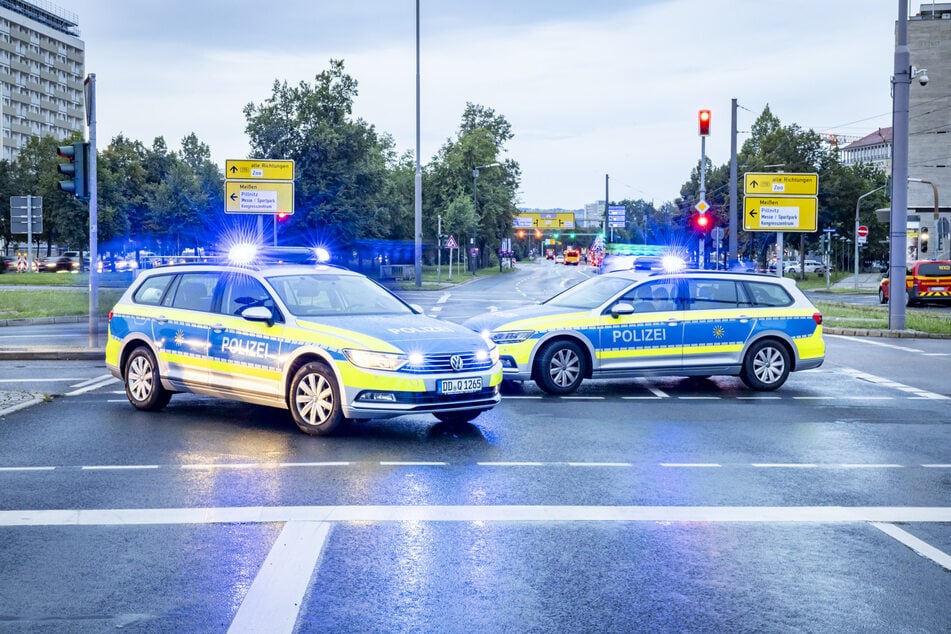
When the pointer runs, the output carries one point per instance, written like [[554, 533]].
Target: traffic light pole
[[93, 215], [703, 196]]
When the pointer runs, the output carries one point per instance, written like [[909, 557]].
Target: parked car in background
[[810, 266]]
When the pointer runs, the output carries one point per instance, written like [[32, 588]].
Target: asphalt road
[[644, 505]]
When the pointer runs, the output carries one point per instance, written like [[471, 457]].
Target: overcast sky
[[590, 87]]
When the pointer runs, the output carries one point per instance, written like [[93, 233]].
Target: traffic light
[[77, 168], [702, 222], [282, 216], [703, 118], [572, 236], [521, 233]]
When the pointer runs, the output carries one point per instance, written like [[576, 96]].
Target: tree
[[479, 141], [340, 163], [65, 218]]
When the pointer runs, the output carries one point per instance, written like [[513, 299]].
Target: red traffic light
[[281, 216], [703, 118], [702, 222]]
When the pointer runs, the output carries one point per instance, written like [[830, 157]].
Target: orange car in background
[[925, 281], [572, 256]]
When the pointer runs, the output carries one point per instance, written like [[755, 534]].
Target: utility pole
[[733, 244], [898, 225]]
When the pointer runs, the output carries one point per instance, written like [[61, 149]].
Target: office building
[[42, 69]]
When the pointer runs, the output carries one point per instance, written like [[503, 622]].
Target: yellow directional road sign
[[781, 184], [780, 213], [259, 197], [259, 169]]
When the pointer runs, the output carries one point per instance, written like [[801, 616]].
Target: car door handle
[[162, 319], [744, 319], [218, 327], [673, 322]]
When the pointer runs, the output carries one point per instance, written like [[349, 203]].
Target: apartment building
[[42, 69]]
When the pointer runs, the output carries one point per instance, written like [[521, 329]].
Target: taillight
[[817, 317], [110, 316]]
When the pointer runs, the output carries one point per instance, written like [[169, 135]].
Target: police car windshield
[[591, 293], [329, 294]]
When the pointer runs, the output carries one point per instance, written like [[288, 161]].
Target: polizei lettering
[[639, 335], [244, 347]]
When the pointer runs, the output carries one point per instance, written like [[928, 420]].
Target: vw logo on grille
[[456, 362]]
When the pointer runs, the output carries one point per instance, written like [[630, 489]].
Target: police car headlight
[[376, 360], [491, 355], [511, 336]]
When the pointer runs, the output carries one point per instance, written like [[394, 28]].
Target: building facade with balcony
[[42, 70]]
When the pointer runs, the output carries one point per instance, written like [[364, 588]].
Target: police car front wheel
[[766, 366], [143, 384], [561, 368], [314, 400]]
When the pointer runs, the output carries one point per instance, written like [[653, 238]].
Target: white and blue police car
[[326, 343], [669, 322]]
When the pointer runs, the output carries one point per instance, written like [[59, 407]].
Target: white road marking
[[583, 398], [314, 464], [427, 463], [274, 599], [698, 398], [759, 398], [471, 513], [92, 384], [871, 378], [881, 344], [62, 380], [919, 546], [443, 298], [27, 468], [119, 467], [653, 390]]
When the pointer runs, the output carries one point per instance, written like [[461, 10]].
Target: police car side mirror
[[258, 313], [621, 308]]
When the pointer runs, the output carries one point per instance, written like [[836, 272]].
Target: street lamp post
[[858, 202], [475, 211]]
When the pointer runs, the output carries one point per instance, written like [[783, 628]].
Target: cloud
[[589, 88]]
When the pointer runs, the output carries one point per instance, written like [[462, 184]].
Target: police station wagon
[[326, 343], [655, 323]]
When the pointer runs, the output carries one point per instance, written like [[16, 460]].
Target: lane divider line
[[276, 595], [921, 547], [472, 513]]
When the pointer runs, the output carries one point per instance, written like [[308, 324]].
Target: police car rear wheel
[[561, 368], [143, 385], [315, 401], [766, 366]]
